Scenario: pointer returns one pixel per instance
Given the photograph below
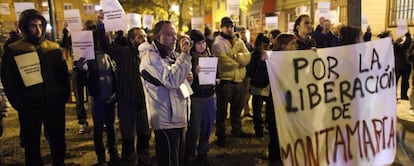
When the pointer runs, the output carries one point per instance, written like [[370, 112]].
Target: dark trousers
[[169, 146], [404, 72], [274, 150], [257, 103], [229, 92], [103, 112], [203, 114], [133, 120], [79, 83], [53, 119]]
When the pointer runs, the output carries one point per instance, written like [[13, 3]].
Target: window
[[88, 8], [401, 9], [67, 6]]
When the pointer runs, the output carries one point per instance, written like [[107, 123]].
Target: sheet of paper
[[19, 7], [208, 70], [186, 89], [82, 45], [147, 21], [133, 20], [74, 20], [401, 27], [29, 68], [114, 15]]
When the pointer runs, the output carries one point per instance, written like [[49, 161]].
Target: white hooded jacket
[[166, 106]]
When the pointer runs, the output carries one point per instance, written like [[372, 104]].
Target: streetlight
[[175, 8]]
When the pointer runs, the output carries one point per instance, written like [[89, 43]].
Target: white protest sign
[[114, 15], [4, 9], [186, 89], [336, 106], [364, 22], [82, 45], [19, 7], [133, 20], [73, 19], [402, 28], [291, 27], [233, 8], [208, 70], [147, 21], [29, 68], [323, 10], [197, 23], [271, 22]]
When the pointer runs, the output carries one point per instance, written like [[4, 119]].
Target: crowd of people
[[142, 77]]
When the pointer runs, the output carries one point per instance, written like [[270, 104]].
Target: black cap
[[226, 22], [196, 36]]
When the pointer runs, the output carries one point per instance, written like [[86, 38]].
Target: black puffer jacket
[[54, 91], [257, 71]]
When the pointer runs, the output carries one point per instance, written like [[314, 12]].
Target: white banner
[[19, 7], [233, 8], [114, 15], [197, 23], [73, 19], [336, 106], [133, 20], [82, 45], [147, 21], [271, 23]]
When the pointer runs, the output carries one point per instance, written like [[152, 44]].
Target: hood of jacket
[[24, 20]]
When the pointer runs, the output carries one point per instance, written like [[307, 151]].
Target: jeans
[[229, 92], [169, 146], [103, 112], [79, 82], [203, 114]]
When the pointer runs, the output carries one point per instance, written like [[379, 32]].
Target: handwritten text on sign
[[336, 106]]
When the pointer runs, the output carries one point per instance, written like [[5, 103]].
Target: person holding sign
[[303, 29], [36, 82], [203, 104], [100, 82], [165, 101], [259, 83], [402, 65], [233, 58], [132, 113]]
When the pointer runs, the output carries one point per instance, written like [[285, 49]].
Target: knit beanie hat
[[226, 22], [196, 36]]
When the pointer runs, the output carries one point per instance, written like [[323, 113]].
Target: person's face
[[360, 38], [243, 34], [228, 30], [168, 36], [321, 20], [305, 26], [35, 28], [264, 46], [140, 37], [292, 45], [200, 46], [326, 26]]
